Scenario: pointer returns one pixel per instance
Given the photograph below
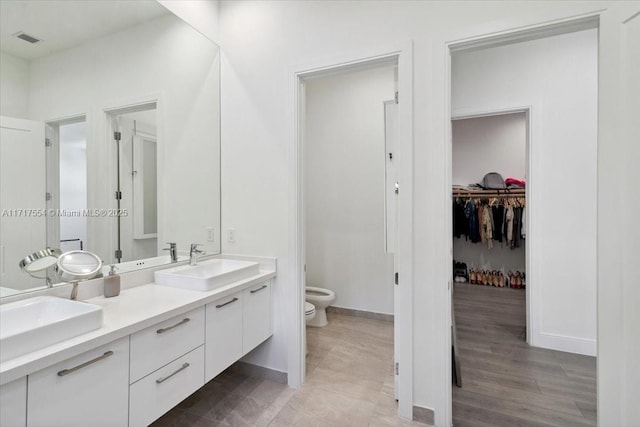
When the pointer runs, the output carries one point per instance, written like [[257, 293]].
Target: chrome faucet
[[193, 253], [173, 251]]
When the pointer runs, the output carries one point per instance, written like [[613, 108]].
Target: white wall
[[14, 86], [164, 59], [73, 183], [265, 41], [344, 188], [557, 77], [489, 144], [200, 14]]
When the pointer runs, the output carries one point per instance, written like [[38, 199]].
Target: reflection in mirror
[[137, 164], [72, 188], [117, 66]]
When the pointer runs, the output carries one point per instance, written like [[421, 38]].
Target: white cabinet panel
[[89, 389], [256, 325], [224, 334], [13, 403], [158, 345], [163, 389]]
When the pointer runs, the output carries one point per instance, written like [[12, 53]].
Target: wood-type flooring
[[505, 382]]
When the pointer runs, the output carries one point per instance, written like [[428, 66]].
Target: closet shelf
[[509, 192]]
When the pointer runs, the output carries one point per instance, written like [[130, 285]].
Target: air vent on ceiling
[[26, 37]]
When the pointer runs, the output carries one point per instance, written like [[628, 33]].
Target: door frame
[[479, 41], [403, 318]]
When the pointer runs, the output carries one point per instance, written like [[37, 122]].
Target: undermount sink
[[35, 323], [207, 275]]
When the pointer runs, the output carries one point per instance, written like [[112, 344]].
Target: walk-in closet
[[489, 200]]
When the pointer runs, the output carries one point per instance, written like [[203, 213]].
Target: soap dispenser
[[112, 283]]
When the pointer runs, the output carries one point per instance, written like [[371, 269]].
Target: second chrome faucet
[[193, 253]]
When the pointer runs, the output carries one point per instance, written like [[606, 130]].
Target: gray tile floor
[[349, 383], [506, 382]]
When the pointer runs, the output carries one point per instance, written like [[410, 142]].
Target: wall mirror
[[110, 134]]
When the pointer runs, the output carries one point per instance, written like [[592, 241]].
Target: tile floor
[[349, 383]]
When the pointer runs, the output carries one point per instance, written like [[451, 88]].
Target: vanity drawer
[[88, 389], [158, 345], [160, 391]]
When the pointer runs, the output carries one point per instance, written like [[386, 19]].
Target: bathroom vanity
[[158, 344]]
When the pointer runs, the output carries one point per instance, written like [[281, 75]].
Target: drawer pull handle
[[253, 291], [226, 303], [161, 380], [168, 328], [75, 368]]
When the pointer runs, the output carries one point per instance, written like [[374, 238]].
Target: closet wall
[[344, 188], [557, 78], [481, 145]]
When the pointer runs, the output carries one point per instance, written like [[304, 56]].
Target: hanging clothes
[[487, 226], [471, 215], [509, 226], [498, 219], [460, 222]]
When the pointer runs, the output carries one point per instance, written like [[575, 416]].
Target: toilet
[[309, 314], [321, 298], [309, 311]]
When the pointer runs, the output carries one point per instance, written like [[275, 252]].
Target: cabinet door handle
[[227, 303], [253, 291], [182, 368], [168, 328], [85, 364]]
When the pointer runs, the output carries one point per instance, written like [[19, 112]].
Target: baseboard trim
[[586, 347], [360, 313], [423, 415], [259, 372]]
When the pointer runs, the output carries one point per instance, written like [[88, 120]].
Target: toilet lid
[[309, 308]]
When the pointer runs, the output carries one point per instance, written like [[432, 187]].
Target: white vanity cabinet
[[13, 403], [92, 387], [256, 325], [167, 365], [224, 334], [236, 325]]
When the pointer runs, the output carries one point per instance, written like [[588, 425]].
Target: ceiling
[[62, 24]]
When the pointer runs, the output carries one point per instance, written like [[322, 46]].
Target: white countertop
[[133, 310]]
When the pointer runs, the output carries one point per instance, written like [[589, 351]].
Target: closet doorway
[[544, 373], [489, 218]]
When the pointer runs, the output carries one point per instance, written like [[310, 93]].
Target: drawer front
[[13, 403], [89, 389], [257, 316], [224, 334], [158, 345], [163, 389]]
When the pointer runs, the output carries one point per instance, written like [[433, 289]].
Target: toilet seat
[[319, 294]]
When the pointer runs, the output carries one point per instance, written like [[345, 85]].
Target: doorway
[[537, 374], [135, 133], [402, 295]]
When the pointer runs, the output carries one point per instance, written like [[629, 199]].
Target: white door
[[391, 207], [22, 199]]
